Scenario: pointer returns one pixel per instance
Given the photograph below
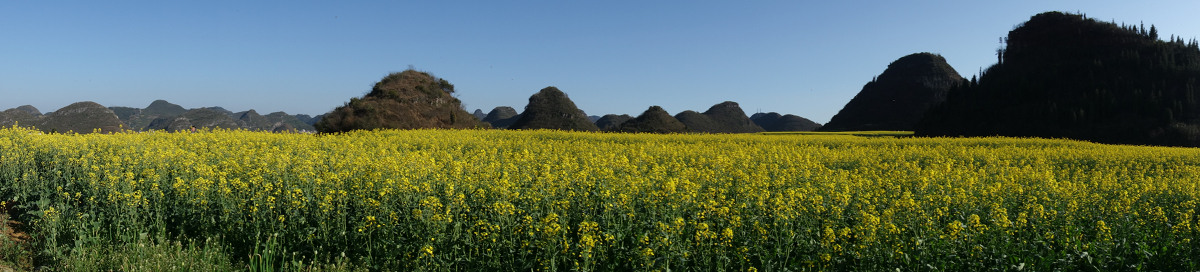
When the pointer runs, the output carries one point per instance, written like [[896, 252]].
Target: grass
[[155, 254], [15, 252]]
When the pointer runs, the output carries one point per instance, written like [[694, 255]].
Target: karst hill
[[612, 122], [163, 115], [139, 119], [550, 108], [80, 117], [776, 122], [654, 120], [1063, 75], [502, 117], [25, 116], [479, 114], [406, 100], [198, 118], [30, 109], [899, 97], [251, 120], [725, 117]]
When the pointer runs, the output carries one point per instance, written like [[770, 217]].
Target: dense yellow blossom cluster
[[546, 200]]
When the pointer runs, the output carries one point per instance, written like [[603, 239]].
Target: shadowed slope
[[898, 98]]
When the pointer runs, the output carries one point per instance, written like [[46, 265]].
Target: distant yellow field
[[546, 200], [851, 133]]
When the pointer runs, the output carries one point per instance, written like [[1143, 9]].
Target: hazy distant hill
[[285, 127], [209, 118], [221, 110], [199, 118], [776, 122], [726, 117], [405, 100], [80, 117], [169, 123], [310, 120], [279, 119], [31, 110], [654, 120], [479, 114], [140, 119], [163, 108], [160, 115], [251, 120], [16, 116], [125, 113], [550, 108], [502, 117], [610, 122], [1065, 76], [898, 98]]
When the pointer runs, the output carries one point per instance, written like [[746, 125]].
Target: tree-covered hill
[[80, 117], [502, 117], [33, 111], [775, 122], [1063, 75], [251, 120], [138, 119], [18, 117], [610, 122], [279, 119], [654, 120], [406, 100], [725, 117], [550, 108]]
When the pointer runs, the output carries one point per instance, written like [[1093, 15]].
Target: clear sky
[[800, 57]]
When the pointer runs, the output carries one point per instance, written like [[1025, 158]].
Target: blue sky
[[800, 57]]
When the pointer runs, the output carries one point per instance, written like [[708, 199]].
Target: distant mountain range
[[86, 117]]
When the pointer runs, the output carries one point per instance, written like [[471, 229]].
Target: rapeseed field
[[499, 200]]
